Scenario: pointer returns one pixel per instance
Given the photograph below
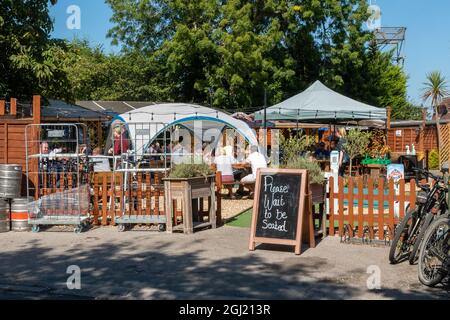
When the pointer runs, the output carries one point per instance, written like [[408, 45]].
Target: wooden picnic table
[[242, 165]]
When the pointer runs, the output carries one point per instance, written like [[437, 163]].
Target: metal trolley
[[141, 171], [58, 175]]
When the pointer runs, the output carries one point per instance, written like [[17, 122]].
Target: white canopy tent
[[144, 125], [320, 103]]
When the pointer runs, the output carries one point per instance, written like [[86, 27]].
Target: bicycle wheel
[[434, 251], [425, 223], [401, 245]]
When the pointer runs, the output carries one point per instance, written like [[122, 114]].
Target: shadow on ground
[[111, 272]]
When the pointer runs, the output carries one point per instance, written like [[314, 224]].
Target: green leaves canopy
[[29, 61], [228, 52], [224, 52]]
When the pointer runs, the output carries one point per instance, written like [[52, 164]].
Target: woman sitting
[[224, 164]]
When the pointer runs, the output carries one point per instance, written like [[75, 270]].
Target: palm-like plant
[[436, 88]]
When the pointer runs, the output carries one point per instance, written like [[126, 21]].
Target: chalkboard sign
[[281, 208]]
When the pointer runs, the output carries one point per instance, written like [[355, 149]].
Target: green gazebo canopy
[[320, 103]]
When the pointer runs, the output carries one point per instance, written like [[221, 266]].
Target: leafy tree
[[231, 51], [436, 88], [29, 61], [357, 144], [294, 146]]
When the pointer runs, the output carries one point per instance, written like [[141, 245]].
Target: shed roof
[[62, 110]]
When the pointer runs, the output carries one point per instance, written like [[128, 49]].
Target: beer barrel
[[19, 214], [4, 216], [10, 180]]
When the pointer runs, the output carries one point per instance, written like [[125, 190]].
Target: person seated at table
[[321, 153], [101, 164], [224, 164], [257, 161]]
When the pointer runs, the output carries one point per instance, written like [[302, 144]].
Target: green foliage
[[294, 146], [228, 52], [185, 170], [30, 62], [315, 172], [433, 160], [223, 52], [435, 88], [357, 143]]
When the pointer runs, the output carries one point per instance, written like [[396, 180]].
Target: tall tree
[[30, 62], [436, 88], [232, 50]]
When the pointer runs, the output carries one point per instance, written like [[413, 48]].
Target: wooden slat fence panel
[[373, 204]]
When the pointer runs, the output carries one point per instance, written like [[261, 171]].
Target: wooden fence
[[141, 196], [114, 196], [368, 206], [12, 135]]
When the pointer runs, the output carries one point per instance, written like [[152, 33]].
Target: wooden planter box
[[318, 193], [189, 190]]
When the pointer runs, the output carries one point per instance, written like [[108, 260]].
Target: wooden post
[[371, 202], [13, 107], [2, 107], [104, 200], [169, 207], [212, 206], [96, 198], [412, 194], [380, 209], [360, 206], [36, 109], [341, 204], [219, 198], [391, 198], [402, 199], [388, 121], [187, 209], [6, 143]]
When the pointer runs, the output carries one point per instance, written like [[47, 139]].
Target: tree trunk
[[351, 166]]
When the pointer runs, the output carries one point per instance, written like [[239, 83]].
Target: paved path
[[213, 264]]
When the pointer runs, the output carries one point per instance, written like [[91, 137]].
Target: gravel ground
[[212, 264], [232, 208]]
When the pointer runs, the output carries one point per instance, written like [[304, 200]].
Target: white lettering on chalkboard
[[274, 200]]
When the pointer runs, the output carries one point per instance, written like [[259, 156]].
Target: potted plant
[[316, 176], [190, 182]]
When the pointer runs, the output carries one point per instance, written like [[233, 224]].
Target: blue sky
[[427, 45]]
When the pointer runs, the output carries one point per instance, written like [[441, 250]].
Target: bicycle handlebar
[[427, 174]]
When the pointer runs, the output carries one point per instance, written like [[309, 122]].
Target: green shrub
[[184, 170], [315, 172], [294, 146], [433, 160]]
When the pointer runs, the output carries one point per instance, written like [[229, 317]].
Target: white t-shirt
[[225, 165], [258, 161], [101, 164]]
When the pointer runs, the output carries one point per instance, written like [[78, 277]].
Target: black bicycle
[[411, 230], [439, 208], [434, 261]]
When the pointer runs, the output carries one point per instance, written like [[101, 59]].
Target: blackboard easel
[[292, 195]]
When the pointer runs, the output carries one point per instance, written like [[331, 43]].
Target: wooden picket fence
[[368, 206], [144, 197], [115, 196]]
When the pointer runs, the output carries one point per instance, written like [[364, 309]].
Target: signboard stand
[[282, 211]]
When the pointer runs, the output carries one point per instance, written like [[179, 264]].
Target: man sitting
[[101, 164], [258, 161], [321, 153]]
